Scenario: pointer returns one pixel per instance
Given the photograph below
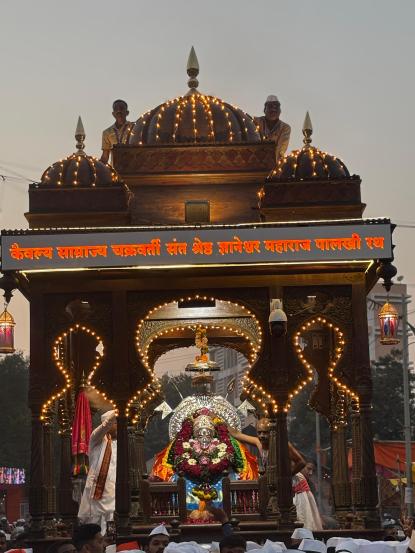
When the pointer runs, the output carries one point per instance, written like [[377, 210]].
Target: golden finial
[[80, 136], [192, 69], [307, 130]]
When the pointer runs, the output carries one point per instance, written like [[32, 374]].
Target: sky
[[349, 63]]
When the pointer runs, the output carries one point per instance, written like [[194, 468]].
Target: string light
[[338, 352], [65, 172], [149, 392], [199, 109], [58, 351], [309, 161]]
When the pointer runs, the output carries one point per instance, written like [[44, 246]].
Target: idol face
[[204, 436]]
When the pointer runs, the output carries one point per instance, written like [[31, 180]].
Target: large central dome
[[194, 118]]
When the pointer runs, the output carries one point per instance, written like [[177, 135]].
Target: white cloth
[[159, 530], [335, 540], [306, 507], [312, 545], [374, 547], [99, 511], [250, 545], [344, 544], [301, 533], [273, 547], [184, 547]]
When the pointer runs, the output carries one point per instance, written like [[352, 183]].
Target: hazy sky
[[349, 63]]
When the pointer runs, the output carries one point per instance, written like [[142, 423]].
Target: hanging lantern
[[389, 322], [7, 325]]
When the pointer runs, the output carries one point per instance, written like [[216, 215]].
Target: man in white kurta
[[98, 500]]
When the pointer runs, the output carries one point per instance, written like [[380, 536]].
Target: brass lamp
[[388, 322], [7, 325]]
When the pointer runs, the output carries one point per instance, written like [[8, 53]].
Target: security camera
[[277, 319]]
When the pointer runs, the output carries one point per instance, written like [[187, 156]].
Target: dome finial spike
[[80, 136], [192, 69], [307, 130]]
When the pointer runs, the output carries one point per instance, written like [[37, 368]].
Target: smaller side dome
[[309, 163], [79, 169]]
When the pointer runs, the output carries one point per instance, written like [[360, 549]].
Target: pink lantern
[[7, 325], [389, 322]]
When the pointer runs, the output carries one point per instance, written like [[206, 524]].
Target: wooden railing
[[165, 501], [245, 499]]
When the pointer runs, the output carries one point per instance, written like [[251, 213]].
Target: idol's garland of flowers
[[206, 466]]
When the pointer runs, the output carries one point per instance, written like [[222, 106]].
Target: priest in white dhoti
[[98, 499]]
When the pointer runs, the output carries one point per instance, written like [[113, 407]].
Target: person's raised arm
[[252, 440], [297, 460]]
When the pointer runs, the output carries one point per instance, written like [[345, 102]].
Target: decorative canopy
[[79, 169], [309, 163], [216, 404], [194, 118]]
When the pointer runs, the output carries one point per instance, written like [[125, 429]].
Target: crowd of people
[[88, 538]]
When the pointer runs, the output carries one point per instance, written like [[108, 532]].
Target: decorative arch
[[240, 321], [339, 388], [60, 357]]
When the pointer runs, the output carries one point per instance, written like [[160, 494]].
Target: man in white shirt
[[98, 500]]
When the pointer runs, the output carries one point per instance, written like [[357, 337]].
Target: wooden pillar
[[67, 507], [272, 472], [120, 348], [122, 494], [364, 483], [279, 368], [136, 512], [49, 473], [37, 490], [340, 475], [38, 390], [284, 477]]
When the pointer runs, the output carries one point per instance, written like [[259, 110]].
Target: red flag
[[81, 432]]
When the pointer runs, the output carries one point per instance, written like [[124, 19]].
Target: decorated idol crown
[[209, 406]]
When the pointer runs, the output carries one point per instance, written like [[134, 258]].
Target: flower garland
[[206, 466]]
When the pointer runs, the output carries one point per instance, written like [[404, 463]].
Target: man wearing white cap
[[98, 500], [159, 538], [272, 128]]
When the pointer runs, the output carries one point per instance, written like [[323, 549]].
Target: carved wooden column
[[67, 507], [37, 490], [49, 471], [122, 494], [365, 493], [120, 348], [340, 474], [136, 511], [37, 387], [272, 472], [279, 368], [284, 477]]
